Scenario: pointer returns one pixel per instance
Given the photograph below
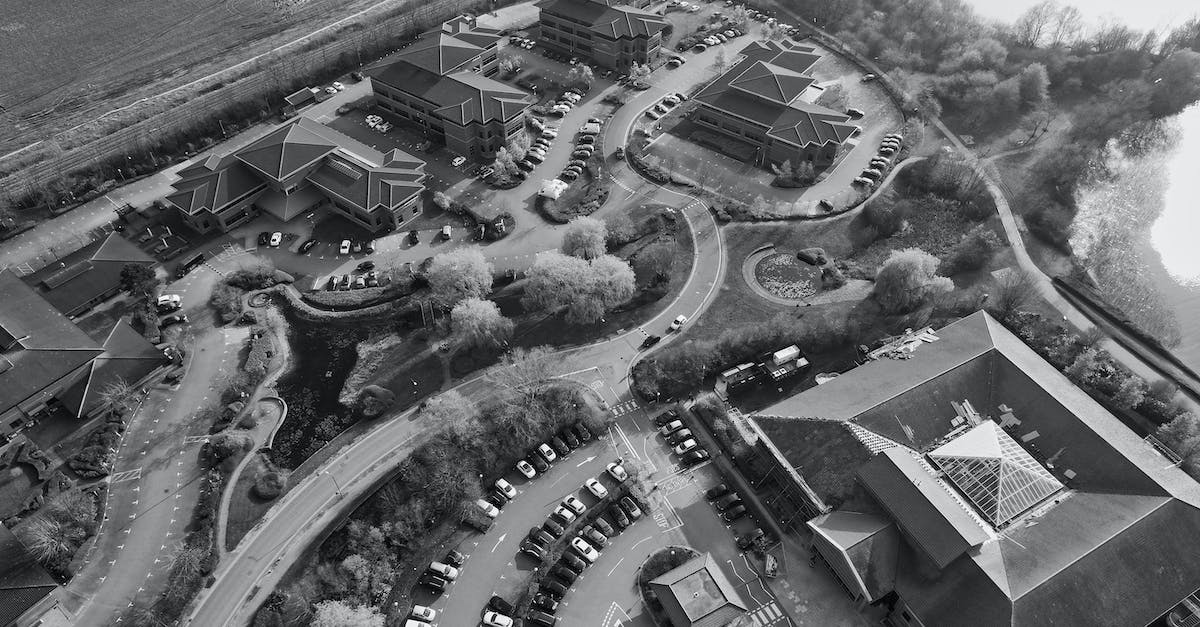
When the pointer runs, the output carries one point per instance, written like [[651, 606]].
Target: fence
[[266, 82]]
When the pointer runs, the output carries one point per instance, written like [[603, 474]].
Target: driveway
[[494, 565]]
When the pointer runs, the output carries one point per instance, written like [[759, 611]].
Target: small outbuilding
[[698, 594]]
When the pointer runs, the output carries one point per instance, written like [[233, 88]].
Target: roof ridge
[[931, 377]]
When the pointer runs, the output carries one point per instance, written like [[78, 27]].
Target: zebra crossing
[[768, 614], [624, 408], [126, 475]]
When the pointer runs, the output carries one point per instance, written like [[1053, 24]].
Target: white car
[[563, 513], [172, 301], [458, 161], [276, 239], [574, 504], [678, 323], [424, 613], [330, 90], [338, 86], [617, 471], [670, 101], [488, 508], [526, 469], [496, 619], [547, 453], [685, 446], [506, 489], [383, 127], [585, 550], [596, 488], [445, 571], [693, 9], [550, 133], [344, 249]]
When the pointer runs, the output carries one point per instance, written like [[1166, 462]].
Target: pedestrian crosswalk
[[768, 614], [624, 408]]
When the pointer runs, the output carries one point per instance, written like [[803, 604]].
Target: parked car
[[631, 508], [855, 113], [541, 536], [537, 462], [446, 232], [344, 248], [670, 427], [716, 491], [433, 582], [618, 516], [172, 320], [365, 266], [568, 175], [593, 536], [445, 571], [603, 527], [553, 588], [582, 431], [526, 469], [679, 436], [666, 417], [356, 248], [586, 139], [546, 602], [564, 574], [307, 246], [585, 550], [734, 513], [620, 152], [617, 472], [560, 447], [263, 238], [596, 488], [575, 505], [553, 528], [574, 563], [458, 161], [685, 446], [581, 153], [498, 604], [677, 323], [360, 282], [488, 509], [546, 452], [727, 501], [423, 613], [744, 541], [563, 514], [506, 488], [168, 303], [694, 457], [372, 279], [868, 78], [569, 437], [454, 558], [496, 619]]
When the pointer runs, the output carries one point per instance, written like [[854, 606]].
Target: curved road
[[249, 573]]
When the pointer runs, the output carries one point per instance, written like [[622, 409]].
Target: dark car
[[369, 246], [358, 76], [618, 516], [573, 562], [554, 588], [569, 438], [454, 558], [734, 513], [307, 245], [716, 492], [728, 501], [264, 238], [691, 458], [553, 528], [500, 605], [603, 527], [582, 431], [539, 535], [170, 320], [542, 618], [365, 266], [631, 508], [525, 165], [744, 541], [665, 418], [533, 550], [564, 574], [650, 341], [546, 602], [433, 582], [414, 237], [595, 537], [497, 498], [538, 463], [560, 447]]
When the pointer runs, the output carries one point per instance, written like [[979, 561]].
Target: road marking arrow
[[502, 537], [588, 460]]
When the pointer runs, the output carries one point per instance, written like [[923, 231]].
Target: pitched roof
[[698, 594], [286, 150], [90, 272], [765, 88], [462, 97], [608, 18], [42, 346], [867, 544], [212, 183], [23, 582], [440, 52], [128, 358], [1071, 558]]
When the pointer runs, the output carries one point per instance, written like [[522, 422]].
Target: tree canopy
[[459, 274], [585, 238], [907, 280], [586, 290], [479, 322]]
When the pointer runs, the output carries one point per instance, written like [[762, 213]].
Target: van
[[446, 571], [446, 231]]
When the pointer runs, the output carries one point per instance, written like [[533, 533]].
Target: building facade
[[763, 102], [611, 35], [300, 167], [442, 86]]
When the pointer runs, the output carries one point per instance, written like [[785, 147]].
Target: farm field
[[67, 62]]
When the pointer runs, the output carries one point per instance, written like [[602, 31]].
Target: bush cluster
[[227, 301], [96, 457], [262, 349], [269, 485], [197, 558]]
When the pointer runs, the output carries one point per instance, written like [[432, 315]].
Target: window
[[416, 210]]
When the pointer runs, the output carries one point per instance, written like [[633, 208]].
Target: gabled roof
[[608, 18], [23, 582], [1115, 548], [212, 183], [867, 545], [765, 88], [461, 97], [90, 272], [44, 347], [286, 150], [440, 53], [698, 594], [466, 29]]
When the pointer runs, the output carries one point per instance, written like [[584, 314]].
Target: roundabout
[[781, 277]]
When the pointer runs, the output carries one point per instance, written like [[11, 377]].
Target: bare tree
[[46, 538], [1034, 22], [522, 371], [459, 274], [117, 394], [479, 322], [1066, 26]]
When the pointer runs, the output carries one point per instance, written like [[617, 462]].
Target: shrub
[[974, 250], [907, 280], [887, 215], [227, 301], [374, 400], [221, 447], [257, 275], [261, 352], [269, 485]]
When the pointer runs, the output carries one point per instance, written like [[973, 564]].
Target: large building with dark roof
[[88, 276], [27, 592], [971, 483], [765, 101], [611, 34], [299, 167], [698, 594], [442, 85], [48, 365]]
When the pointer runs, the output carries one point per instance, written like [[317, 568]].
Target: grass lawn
[[245, 508]]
